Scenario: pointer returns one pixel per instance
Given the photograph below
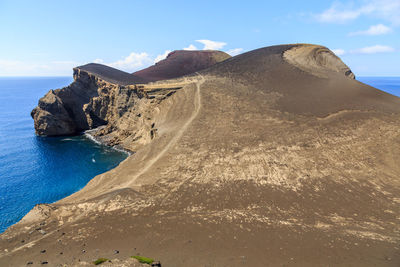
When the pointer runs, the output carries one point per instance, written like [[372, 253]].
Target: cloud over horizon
[[339, 12], [190, 47], [339, 52], [235, 51], [373, 49], [135, 61], [214, 45], [132, 62], [378, 29], [162, 56], [211, 45]]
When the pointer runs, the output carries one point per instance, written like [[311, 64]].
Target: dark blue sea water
[[40, 169], [387, 84]]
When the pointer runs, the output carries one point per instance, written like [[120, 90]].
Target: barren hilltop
[[275, 157]]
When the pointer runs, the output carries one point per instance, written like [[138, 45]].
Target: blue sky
[[48, 38]]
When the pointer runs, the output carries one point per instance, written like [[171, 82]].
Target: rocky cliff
[[273, 157], [101, 95]]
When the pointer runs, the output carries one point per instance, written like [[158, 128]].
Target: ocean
[[37, 169], [390, 85]]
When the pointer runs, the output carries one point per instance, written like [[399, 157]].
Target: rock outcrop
[[60, 112], [101, 95], [317, 60]]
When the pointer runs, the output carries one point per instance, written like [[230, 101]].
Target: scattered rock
[[83, 251], [29, 263], [156, 264], [45, 262], [43, 232], [43, 251], [116, 251]]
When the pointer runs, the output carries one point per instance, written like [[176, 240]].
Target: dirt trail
[[150, 163]]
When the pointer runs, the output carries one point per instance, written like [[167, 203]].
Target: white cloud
[[373, 49], [339, 52], [132, 62], [211, 45], [373, 30], [235, 51], [365, 50], [388, 10], [162, 56], [190, 47], [337, 13]]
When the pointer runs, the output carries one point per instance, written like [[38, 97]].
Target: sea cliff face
[[61, 111], [101, 96], [119, 115]]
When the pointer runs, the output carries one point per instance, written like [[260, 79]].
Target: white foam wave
[[90, 137]]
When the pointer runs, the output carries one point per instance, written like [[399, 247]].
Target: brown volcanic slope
[[110, 74], [181, 62], [274, 157]]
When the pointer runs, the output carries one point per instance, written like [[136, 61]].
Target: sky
[[49, 38]]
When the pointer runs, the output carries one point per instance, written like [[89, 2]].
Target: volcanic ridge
[[277, 156]]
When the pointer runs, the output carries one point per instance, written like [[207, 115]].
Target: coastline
[[89, 135]]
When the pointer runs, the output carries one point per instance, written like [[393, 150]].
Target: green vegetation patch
[[100, 261], [143, 259]]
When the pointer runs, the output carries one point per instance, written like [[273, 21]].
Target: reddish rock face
[[181, 62]]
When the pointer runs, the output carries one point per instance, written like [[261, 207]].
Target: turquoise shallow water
[[40, 169], [43, 170]]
